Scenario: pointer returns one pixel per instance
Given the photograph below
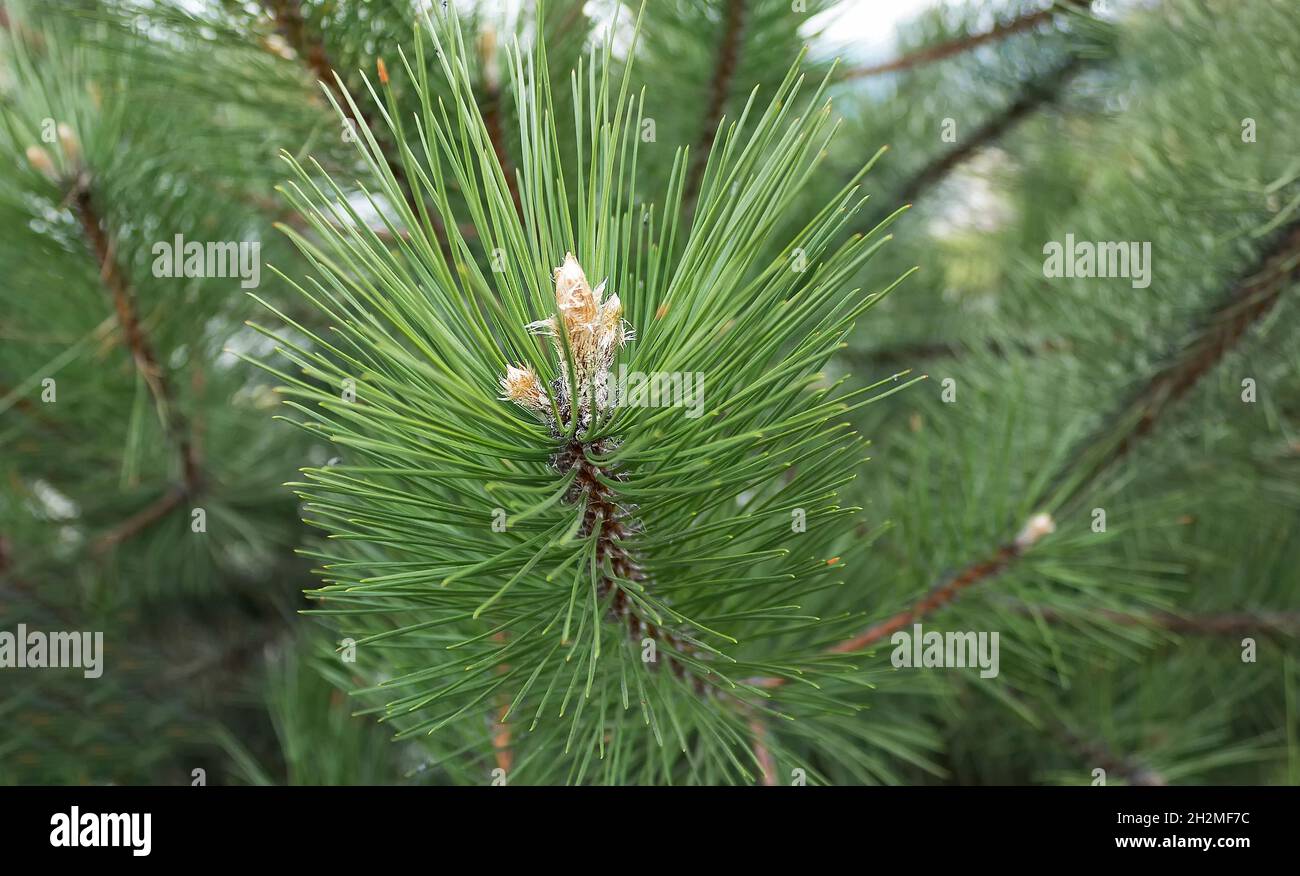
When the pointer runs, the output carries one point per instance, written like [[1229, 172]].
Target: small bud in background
[[487, 51], [1035, 528], [69, 143], [276, 45], [383, 71], [39, 159]]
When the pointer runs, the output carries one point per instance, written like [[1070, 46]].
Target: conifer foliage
[[624, 441], [639, 575]]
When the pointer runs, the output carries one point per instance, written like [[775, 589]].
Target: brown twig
[[1093, 752], [491, 104], [959, 45], [1099, 754], [311, 50], [496, 135], [766, 763], [1249, 300], [503, 753], [613, 524], [934, 600], [137, 342], [1225, 624], [1032, 97], [1245, 303], [29, 408], [733, 25], [138, 522], [937, 598]]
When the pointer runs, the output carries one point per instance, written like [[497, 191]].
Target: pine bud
[[594, 333], [41, 161], [611, 330], [487, 50], [1034, 530], [521, 386], [573, 294], [71, 145], [278, 46]]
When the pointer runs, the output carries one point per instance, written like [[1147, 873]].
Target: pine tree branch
[[27, 407], [175, 425], [612, 524], [502, 753], [505, 757], [1096, 753], [1245, 303], [1225, 624], [936, 599], [496, 136], [138, 522], [1032, 97], [963, 44], [311, 50], [941, 595], [724, 71], [1248, 301], [766, 763]]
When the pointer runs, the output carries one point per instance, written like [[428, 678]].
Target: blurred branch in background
[[930, 54]]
